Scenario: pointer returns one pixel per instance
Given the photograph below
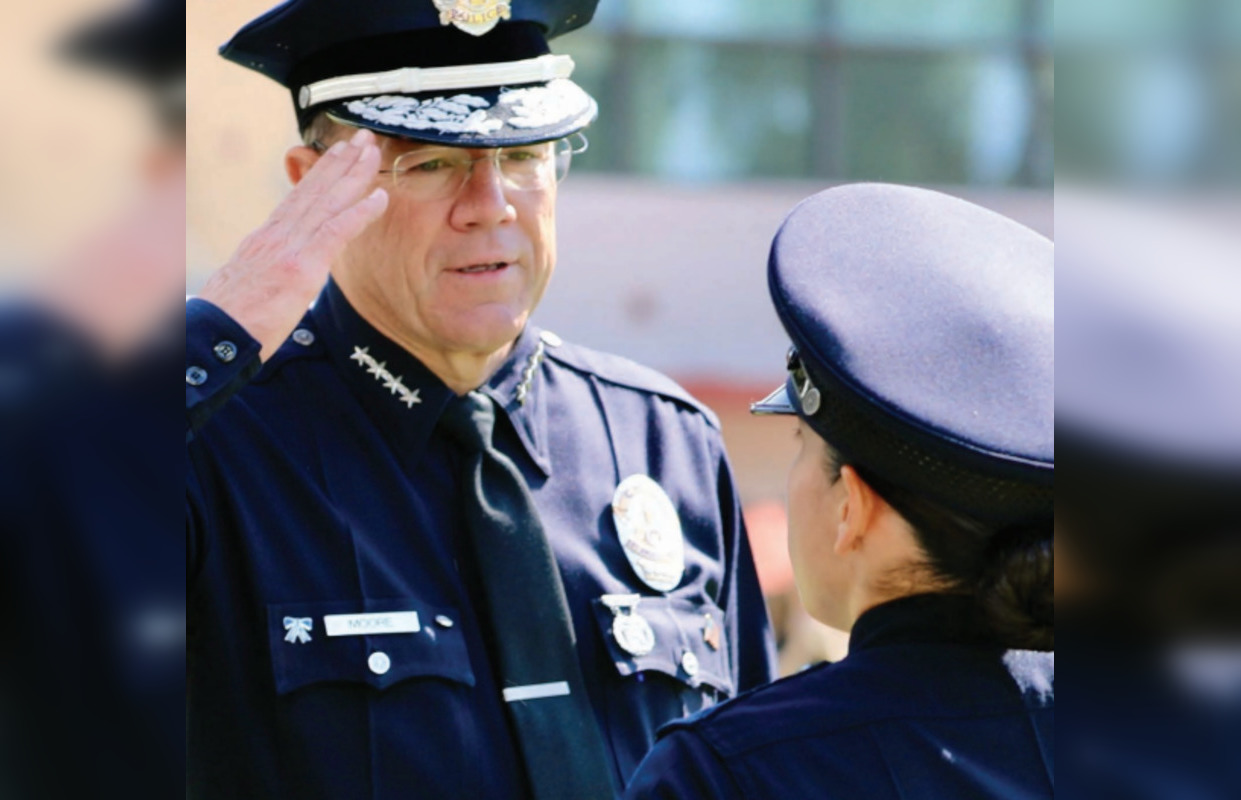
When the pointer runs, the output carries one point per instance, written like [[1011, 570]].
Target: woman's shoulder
[[921, 720], [908, 681]]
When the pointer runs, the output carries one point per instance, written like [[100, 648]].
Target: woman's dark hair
[[1009, 570]]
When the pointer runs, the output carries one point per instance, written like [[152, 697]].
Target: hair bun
[[1015, 589]]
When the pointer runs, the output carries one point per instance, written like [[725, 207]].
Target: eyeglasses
[[437, 173], [807, 393]]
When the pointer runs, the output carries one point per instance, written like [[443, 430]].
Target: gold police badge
[[650, 532], [473, 16]]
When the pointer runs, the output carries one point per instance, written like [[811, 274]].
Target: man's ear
[[298, 161], [857, 512]]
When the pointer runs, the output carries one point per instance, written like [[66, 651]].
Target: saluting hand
[[279, 269]]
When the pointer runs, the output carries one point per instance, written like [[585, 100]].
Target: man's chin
[[489, 330]]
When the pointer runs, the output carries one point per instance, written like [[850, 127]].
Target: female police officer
[[920, 512]]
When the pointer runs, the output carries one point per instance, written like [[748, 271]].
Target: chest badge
[[298, 629], [473, 16], [650, 532], [629, 628]]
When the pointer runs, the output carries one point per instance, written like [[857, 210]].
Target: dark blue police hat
[[923, 344], [469, 73]]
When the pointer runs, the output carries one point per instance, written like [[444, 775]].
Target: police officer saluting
[[434, 551], [920, 514]]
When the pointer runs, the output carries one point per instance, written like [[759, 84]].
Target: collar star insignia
[[392, 383]]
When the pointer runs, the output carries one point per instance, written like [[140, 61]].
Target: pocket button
[[379, 662]]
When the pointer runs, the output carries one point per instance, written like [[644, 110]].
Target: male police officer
[[432, 550]]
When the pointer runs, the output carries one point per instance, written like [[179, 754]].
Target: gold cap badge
[[473, 16]]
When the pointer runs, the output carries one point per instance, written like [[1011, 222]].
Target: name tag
[[371, 624]]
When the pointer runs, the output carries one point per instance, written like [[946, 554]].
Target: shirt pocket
[[424, 641], [690, 643]]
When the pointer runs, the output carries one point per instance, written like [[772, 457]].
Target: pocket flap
[[690, 641], [376, 642]]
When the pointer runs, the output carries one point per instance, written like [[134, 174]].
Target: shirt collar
[[922, 619], [519, 389], [403, 396]]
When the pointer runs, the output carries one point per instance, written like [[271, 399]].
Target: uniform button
[[443, 621], [689, 663], [225, 351], [196, 376], [303, 337], [550, 339], [379, 662]]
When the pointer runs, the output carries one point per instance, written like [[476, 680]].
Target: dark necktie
[[527, 616]]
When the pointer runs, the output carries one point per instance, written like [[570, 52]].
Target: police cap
[[923, 344], [468, 73]]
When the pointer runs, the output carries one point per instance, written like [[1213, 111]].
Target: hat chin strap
[[411, 80]]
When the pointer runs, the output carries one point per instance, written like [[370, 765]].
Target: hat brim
[[498, 116], [778, 402]]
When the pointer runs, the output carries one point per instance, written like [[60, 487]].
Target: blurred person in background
[[920, 514], [1148, 539], [92, 674], [433, 550]]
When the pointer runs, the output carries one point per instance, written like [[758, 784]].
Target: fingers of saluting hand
[[278, 269], [340, 178], [338, 230]]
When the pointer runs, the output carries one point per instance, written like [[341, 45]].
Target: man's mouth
[[478, 268]]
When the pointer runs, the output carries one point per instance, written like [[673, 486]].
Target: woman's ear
[[858, 511], [298, 161]]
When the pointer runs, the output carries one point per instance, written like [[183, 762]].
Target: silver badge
[[630, 629], [650, 532]]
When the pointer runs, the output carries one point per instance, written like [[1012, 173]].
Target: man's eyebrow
[[404, 148]]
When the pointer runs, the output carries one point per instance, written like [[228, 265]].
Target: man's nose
[[483, 199]]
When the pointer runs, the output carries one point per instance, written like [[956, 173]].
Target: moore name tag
[[371, 624]]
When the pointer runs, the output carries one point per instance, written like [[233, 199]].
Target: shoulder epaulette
[[621, 371]]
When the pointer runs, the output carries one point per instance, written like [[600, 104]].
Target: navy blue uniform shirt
[[924, 707], [320, 486]]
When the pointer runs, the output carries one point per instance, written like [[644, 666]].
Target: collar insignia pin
[[392, 383]]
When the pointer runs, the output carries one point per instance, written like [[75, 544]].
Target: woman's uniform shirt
[[323, 487], [924, 706]]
